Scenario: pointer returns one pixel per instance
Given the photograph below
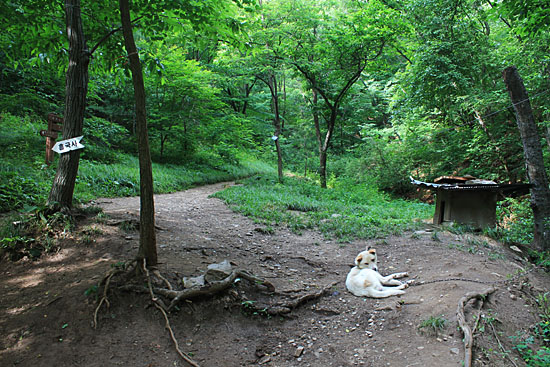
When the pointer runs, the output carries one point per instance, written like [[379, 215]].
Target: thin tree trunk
[[271, 81], [316, 124], [76, 88], [147, 239], [325, 144], [277, 125], [540, 193], [323, 168]]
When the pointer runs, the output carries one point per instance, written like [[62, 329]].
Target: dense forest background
[[363, 92]]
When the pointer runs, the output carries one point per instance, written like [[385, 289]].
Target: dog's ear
[[359, 258]]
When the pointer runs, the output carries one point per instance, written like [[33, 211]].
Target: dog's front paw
[[409, 282]]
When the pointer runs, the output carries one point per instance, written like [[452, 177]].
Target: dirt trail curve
[[52, 326]]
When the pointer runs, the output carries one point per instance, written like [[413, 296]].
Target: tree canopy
[[375, 91]]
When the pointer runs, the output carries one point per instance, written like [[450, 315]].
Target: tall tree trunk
[[76, 88], [540, 193], [271, 81], [147, 239], [276, 124]]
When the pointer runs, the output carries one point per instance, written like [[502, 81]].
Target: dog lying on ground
[[364, 280]]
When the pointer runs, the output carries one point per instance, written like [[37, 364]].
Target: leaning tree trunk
[[540, 193], [76, 88], [147, 239]]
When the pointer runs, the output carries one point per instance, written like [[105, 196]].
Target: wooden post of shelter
[[55, 125]]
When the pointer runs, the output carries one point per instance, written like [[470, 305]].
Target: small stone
[[513, 296], [455, 351], [298, 351], [264, 359]]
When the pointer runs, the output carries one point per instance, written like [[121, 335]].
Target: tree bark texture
[[540, 193], [76, 88], [147, 238]]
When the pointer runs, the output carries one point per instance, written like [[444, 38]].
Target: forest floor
[[46, 318]]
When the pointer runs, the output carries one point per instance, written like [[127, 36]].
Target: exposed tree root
[[106, 282], [216, 279], [502, 347], [160, 306], [461, 318]]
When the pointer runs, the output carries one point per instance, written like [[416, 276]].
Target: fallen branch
[[461, 318]]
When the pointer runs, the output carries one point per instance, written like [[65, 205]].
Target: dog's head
[[367, 259]]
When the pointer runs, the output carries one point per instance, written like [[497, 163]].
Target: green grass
[[122, 178], [25, 181], [346, 211]]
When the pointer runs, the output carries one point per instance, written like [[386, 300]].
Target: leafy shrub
[[17, 190], [515, 221], [533, 356], [32, 233], [102, 138], [23, 103], [433, 324], [20, 140]]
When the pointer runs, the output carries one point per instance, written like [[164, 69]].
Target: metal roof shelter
[[468, 200]]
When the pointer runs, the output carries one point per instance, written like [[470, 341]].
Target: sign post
[[54, 126]]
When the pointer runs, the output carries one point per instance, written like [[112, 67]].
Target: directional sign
[[49, 134], [65, 146]]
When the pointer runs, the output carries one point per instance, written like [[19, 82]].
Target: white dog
[[365, 280]]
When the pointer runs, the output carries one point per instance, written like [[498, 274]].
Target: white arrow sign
[[65, 146]]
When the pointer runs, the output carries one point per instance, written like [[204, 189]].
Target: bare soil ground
[[45, 318]]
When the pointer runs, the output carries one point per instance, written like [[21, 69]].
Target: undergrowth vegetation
[[104, 171], [535, 347], [345, 211]]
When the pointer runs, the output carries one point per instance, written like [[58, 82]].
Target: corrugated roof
[[491, 186]]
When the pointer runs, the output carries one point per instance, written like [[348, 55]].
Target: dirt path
[[45, 317]]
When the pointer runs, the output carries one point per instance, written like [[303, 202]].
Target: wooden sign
[[65, 146], [55, 125], [49, 134]]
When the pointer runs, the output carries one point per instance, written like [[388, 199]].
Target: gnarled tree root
[[165, 298], [461, 318]]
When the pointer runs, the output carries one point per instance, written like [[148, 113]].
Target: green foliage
[[541, 258], [515, 222], [122, 178], [433, 325], [23, 177], [532, 355], [345, 211], [26, 102], [102, 140], [32, 233]]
